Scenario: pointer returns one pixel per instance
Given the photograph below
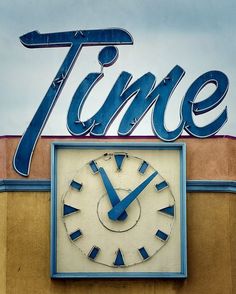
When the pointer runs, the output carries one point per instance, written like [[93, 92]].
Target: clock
[[118, 210]]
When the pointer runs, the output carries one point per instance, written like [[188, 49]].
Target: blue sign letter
[[75, 40], [221, 81]]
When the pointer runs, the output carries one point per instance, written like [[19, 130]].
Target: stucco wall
[[211, 227], [211, 250], [208, 159]]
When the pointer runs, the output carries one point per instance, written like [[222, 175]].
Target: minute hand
[[119, 208], [111, 192]]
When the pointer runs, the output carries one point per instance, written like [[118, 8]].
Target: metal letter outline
[[75, 40]]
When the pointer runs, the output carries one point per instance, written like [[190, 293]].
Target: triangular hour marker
[[69, 209], [119, 261], [169, 210], [119, 160]]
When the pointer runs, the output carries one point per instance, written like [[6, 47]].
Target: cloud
[[198, 35], [165, 15]]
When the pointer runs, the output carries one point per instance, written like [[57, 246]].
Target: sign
[[144, 91]]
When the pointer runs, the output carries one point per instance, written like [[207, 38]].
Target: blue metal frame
[[214, 186], [127, 146], [19, 185]]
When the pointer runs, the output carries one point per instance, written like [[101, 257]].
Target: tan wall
[[211, 226], [3, 241], [211, 250], [206, 159]]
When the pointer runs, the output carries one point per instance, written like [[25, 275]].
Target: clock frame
[[150, 240]]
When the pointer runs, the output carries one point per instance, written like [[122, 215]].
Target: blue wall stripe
[[12, 185], [211, 186], [18, 185]]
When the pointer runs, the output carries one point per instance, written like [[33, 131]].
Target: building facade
[[211, 223]]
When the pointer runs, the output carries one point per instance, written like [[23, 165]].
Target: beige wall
[[211, 250], [211, 226]]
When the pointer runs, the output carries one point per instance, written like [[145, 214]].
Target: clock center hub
[[133, 211]]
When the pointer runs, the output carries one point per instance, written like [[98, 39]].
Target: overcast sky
[[197, 35]]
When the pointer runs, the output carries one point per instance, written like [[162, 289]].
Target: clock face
[[118, 209], [129, 205]]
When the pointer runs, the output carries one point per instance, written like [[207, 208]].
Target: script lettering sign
[[144, 92]]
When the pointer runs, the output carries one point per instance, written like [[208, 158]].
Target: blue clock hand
[[111, 192], [119, 208]]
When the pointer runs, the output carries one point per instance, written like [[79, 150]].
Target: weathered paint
[[211, 250], [208, 159]]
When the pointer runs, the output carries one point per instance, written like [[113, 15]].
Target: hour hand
[[111, 192], [118, 209]]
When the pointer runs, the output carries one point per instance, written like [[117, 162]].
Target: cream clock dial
[[118, 210]]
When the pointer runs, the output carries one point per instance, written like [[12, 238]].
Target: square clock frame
[[118, 210]]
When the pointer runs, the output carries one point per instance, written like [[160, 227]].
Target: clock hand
[[111, 192], [119, 208]]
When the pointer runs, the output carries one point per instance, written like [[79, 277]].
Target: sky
[[197, 35]]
